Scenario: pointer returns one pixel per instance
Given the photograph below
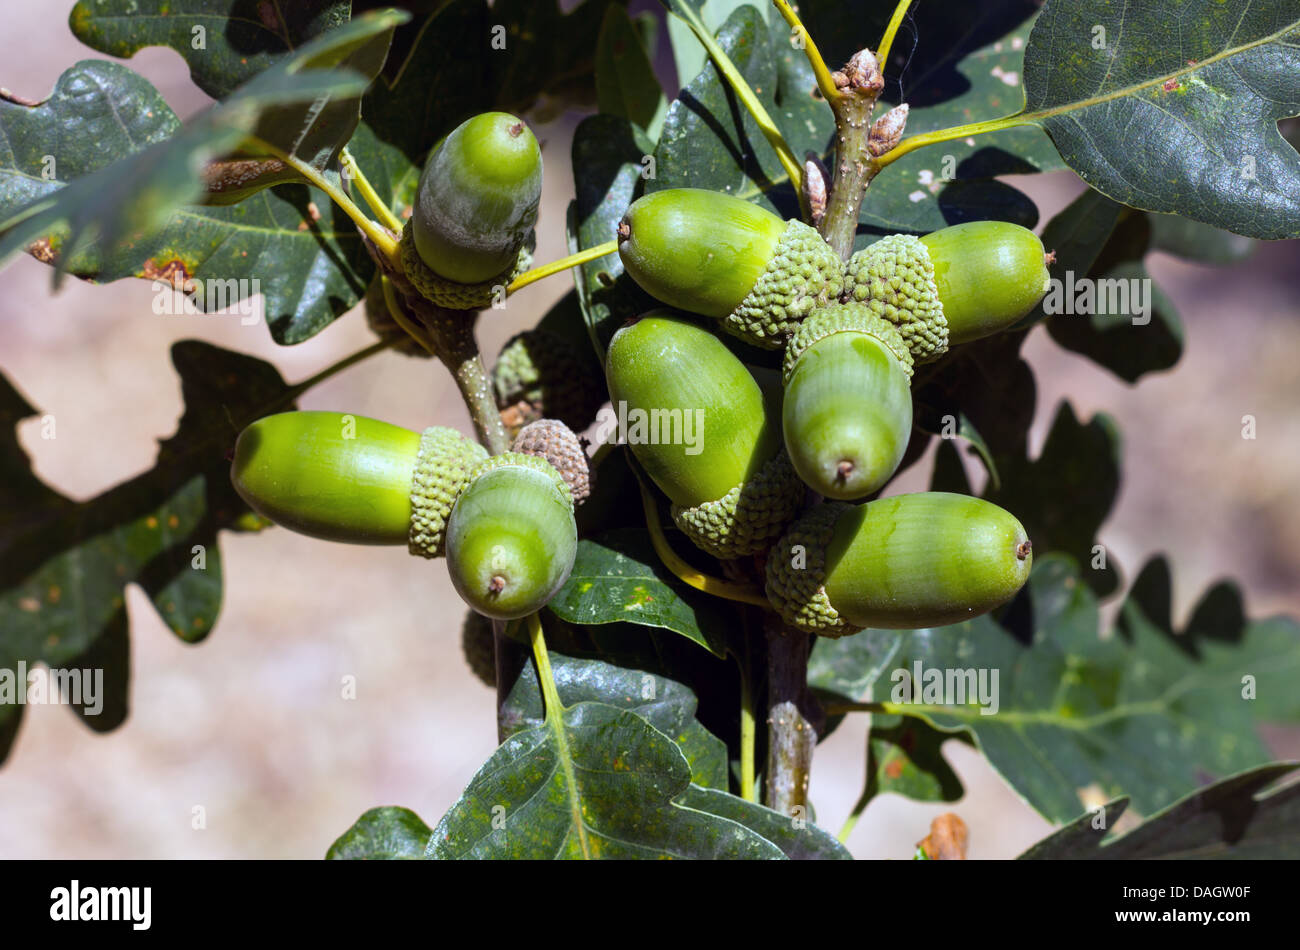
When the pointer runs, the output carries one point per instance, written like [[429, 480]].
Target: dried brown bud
[[888, 131], [946, 840]]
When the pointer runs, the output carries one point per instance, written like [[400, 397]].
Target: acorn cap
[[542, 372], [844, 318], [796, 573], [477, 645], [449, 294], [443, 468], [895, 278], [552, 440], [745, 520], [521, 460], [802, 274]]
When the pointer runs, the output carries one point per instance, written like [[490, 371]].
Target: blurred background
[[252, 726]]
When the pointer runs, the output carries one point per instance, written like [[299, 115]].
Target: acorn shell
[[698, 250], [329, 475], [924, 560], [511, 538], [477, 198], [671, 379], [988, 274], [847, 415]]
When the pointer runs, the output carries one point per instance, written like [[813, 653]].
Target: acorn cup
[[475, 208], [511, 537], [922, 560], [950, 287], [847, 412], [723, 257], [697, 422], [349, 478]]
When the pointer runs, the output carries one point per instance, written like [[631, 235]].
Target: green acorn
[[696, 421], [511, 538], [847, 412], [349, 478], [474, 212], [922, 560], [950, 287], [723, 257], [538, 374]]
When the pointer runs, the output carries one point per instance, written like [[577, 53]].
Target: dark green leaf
[[618, 578], [64, 565], [626, 85], [383, 834], [1198, 242], [1239, 817], [904, 757], [1064, 495], [1116, 315], [133, 200], [292, 244], [960, 427], [594, 782], [799, 840], [711, 141], [664, 703], [609, 156], [224, 42], [1149, 713], [1175, 113]]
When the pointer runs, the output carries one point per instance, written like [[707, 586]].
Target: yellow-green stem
[[824, 80], [887, 41], [563, 264], [748, 725], [384, 241], [399, 317], [912, 143], [542, 660], [748, 99], [386, 216], [742, 593]]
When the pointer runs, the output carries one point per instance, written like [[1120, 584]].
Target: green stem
[[912, 143], [384, 241], [825, 82], [747, 98], [715, 586], [748, 723], [542, 660], [334, 368], [887, 41], [449, 335], [555, 720], [563, 264], [377, 204]]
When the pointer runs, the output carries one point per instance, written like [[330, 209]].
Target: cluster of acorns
[[851, 334]]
